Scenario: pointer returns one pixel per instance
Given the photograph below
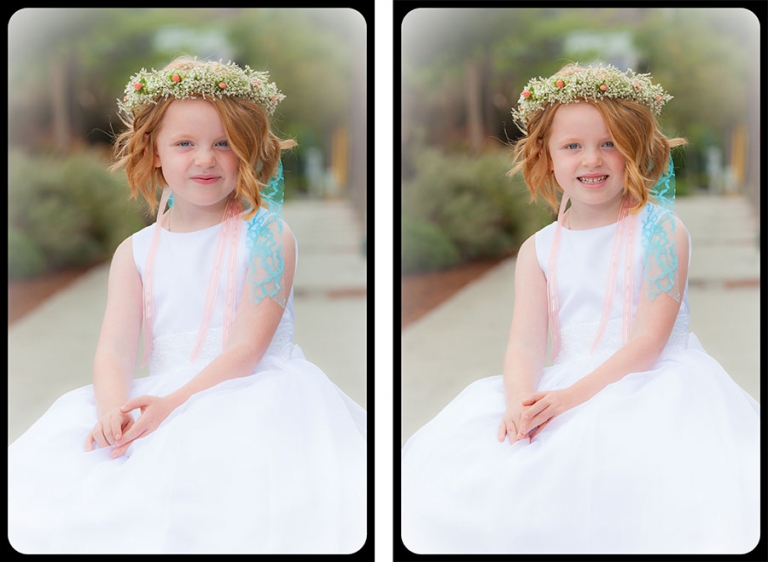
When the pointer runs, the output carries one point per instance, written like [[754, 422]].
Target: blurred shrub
[[470, 199], [24, 259], [65, 212], [682, 186], [425, 247]]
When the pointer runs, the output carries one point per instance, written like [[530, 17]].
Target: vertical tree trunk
[[474, 107], [490, 115], [59, 104]]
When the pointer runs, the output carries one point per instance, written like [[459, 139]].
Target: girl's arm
[[117, 349], [527, 343], [652, 326], [249, 337]]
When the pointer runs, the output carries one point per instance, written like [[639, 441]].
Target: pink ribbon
[[230, 231], [624, 236], [554, 307], [149, 304]]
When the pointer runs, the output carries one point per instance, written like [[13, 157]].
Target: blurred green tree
[[463, 69], [68, 65]]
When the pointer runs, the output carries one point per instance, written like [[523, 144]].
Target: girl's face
[[196, 159], [587, 165]]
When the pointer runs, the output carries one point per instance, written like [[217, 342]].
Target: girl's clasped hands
[[117, 428], [535, 412]]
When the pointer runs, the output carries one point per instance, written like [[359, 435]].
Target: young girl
[[234, 443], [634, 440]]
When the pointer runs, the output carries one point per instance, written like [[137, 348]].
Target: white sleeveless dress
[[274, 462], [662, 461]]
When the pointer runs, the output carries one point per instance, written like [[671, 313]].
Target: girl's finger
[[533, 412], [137, 402], [502, 431], [98, 436], [119, 451], [512, 435], [108, 434], [134, 432], [541, 419], [128, 424], [533, 398], [116, 423], [122, 446], [101, 441], [132, 404], [538, 429]]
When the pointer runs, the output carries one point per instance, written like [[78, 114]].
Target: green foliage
[[481, 210], [69, 66], [703, 57], [24, 259], [683, 187], [65, 212], [425, 247]]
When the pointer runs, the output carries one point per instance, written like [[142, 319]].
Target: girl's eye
[[184, 143], [609, 144], [223, 143], [571, 146]]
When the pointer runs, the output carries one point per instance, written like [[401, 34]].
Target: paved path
[[464, 338], [50, 351]]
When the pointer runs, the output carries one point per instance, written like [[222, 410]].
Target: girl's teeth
[[592, 180]]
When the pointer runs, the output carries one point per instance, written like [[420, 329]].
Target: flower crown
[[573, 84], [192, 78]]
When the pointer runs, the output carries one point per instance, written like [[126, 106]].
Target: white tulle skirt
[[270, 463], [663, 461]]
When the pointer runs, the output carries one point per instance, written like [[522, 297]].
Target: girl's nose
[[592, 158], [204, 158]]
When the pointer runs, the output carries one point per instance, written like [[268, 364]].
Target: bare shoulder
[[529, 244], [682, 237], [123, 265], [286, 233], [528, 272], [124, 252], [680, 226], [288, 241], [270, 236], [676, 230], [667, 218], [527, 252], [272, 225], [126, 246]]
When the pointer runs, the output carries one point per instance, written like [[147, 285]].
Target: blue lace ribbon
[[661, 260], [265, 244]]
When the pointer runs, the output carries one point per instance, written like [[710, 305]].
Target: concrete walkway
[[464, 339], [50, 351]]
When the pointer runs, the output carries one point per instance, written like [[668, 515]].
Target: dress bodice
[[583, 267], [182, 271]]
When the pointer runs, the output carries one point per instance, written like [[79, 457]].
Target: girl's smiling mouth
[[592, 180]]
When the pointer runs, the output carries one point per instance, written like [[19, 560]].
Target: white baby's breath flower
[[591, 83], [211, 80]]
